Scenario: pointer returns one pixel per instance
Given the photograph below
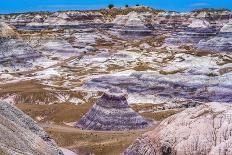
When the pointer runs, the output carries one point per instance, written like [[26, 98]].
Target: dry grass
[[171, 72], [160, 115], [99, 143], [31, 92], [57, 113], [23, 86], [114, 67], [147, 106], [142, 66]]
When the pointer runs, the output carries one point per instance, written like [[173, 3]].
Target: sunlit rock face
[[21, 135], [202, 130], [221, 42], [12, 47], [112, 113], [132, 25]]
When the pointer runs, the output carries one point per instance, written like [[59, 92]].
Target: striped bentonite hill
[[112, 113]]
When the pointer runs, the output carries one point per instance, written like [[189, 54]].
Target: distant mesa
[[112, 113]]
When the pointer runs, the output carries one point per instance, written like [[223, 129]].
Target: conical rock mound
[[112, 113]]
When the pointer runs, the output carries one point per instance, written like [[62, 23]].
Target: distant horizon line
[[117, 7]]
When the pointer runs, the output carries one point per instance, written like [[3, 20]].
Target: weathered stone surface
[[203, 130], [21, 135], [112, 113]]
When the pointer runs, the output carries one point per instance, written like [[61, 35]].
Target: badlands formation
[[112, 113], [60, 68]]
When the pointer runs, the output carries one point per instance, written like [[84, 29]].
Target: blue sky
[[12, 6]]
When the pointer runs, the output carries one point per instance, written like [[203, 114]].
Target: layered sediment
[[112, 113], [21, 135]]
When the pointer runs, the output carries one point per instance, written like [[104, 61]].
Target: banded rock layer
[[112, 113], [20, 135], [204, 130], [12, 47], [221, 42]]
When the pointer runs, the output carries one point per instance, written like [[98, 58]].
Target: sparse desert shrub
[[110, 6], [142, 67], [113, 12]]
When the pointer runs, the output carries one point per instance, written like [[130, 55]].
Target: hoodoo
[[112, 113]]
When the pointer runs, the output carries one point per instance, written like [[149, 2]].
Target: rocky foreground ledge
[[205, 130], [20, 135]]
